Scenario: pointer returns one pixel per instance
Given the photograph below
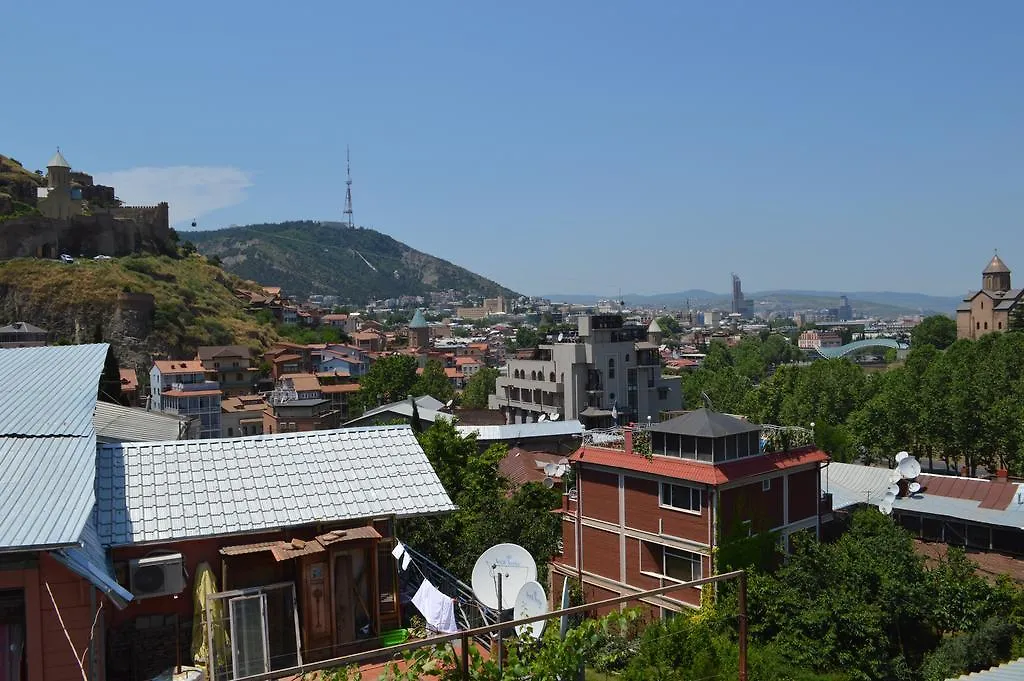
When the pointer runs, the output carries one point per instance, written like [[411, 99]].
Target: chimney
[[1002, 474], [628, 439]]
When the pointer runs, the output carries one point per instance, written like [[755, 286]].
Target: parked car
[[66, 258], [102, 257]]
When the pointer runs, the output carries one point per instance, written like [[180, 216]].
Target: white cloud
[[191, 191]]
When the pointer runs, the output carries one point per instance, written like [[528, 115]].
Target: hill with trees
[[356, 264]]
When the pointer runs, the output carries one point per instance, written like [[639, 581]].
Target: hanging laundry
[[398, 551], [438, 610], [406, 559]]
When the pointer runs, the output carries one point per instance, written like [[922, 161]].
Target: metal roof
[[996, 266], [89, 560], [427, 406], [170, 491], [49, 390], [46, 490], [116, 423], [1008, 671], [418, 320], [852, 484], [705, 423], [47, 443], [519, 431], [58, 161]]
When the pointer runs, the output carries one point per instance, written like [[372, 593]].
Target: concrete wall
[[120, 232]]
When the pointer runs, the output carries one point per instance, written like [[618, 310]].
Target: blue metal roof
[[90, 561], [47, 443], [51, 390], [169, 491]]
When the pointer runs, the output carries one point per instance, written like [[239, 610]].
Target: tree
[[939, 331], [480, 386], [527, 337], [669, 324], [1017, 318], [389, 379], [434, 382]]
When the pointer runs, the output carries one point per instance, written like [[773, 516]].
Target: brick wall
[[803, 495], [762, 508], [600, 495], [643, 512], [601, 552]]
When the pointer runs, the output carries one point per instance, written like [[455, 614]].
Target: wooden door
[[344, 600]]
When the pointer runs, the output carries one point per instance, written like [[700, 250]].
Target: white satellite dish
[[893, 490], [560, 337], [901, 455], [542, 418], [550, 469], [530, 602], [885, 506], [564, 624], [909, 468], [549, 482], [555, 416], [512, 565], [560, 470], [914, 487], [563, 461]]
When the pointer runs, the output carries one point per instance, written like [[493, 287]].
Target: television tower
[[348, 190]]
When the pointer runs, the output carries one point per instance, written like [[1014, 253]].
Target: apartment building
[[230, 366], [605, 373], [651, 504], [180, 387]]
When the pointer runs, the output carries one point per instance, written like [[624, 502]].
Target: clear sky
[[558, 146]]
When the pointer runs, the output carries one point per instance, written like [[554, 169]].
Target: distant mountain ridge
[[872, 302], [356, 264]]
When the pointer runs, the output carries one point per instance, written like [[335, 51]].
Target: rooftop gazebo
[[705, 435]]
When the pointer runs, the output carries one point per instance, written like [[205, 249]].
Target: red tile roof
[[129, 379], [340, 388], [520, 465], [694, 471], [179, 366]]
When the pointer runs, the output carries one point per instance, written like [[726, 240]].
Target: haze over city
[[575, 147]]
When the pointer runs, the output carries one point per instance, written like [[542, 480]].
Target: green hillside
[[327, 258], [194, 304]]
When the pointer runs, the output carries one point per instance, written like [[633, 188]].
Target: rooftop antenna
[[707, 401], [348, 190]]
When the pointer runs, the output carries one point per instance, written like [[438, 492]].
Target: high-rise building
[[740, 305]]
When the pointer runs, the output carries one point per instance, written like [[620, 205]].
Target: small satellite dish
[[560, 471], [914, 487], [542, 418], [893, 490], [449, 403], [510, 563], [894, 476], [885, 506], [550, 469], [564, 624], [563, 461], [560, 337], [530, 602], [901, 455], [555, 416], [909, 468], [549, 482]]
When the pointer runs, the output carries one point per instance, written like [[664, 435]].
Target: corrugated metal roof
[[90, 561], [116, 423], [162, 492], [50, 390], [1008, 671], [46, 490], [852, 484], [517, 431]]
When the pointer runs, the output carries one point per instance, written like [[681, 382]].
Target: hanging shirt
[[438, 610]]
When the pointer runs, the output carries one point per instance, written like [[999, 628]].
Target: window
[[231, 432], [627, 358], [611, 368], [552, 377], [1000, 325], [766, 485], [986, 326], [977, 326], [682, 565], [681, 497]]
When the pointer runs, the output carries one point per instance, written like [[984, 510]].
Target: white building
[[180, 387], [603, 373]]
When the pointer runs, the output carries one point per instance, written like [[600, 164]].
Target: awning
[[78, 561], [594, 411]]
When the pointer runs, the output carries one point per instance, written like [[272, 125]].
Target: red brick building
[[643, 519]]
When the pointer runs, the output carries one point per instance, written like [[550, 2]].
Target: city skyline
[[583, 148]]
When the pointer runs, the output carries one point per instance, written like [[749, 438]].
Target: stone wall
[[120, 231]]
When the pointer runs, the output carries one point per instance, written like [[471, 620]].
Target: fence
[[464, 637]]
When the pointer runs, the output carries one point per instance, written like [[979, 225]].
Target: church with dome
[[991, 308]]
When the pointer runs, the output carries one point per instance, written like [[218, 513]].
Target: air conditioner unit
[[157, 575]]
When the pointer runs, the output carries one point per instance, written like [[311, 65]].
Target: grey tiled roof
[[117, 423], [169, 491]]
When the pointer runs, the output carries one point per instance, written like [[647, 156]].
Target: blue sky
[[558, 147]]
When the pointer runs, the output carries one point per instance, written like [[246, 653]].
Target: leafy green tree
[[939, 331], [479, 387], [527, 337], [669, 324], [390, 379], [434, 382]]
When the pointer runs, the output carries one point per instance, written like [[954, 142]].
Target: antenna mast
[[348, 190]]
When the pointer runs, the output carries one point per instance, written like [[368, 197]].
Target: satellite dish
[[893, 490], [549, 482], [885, 506], [560, 337], [530, 602], [560, 471], [901, 455], [914, 487], [909, 468], [510, 563], [555, 416], [564, 624], [542, 418], [550, 469], [449, 403], [894, 476], [563, 461]]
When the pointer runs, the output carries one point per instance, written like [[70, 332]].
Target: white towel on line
[[437, 609]]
